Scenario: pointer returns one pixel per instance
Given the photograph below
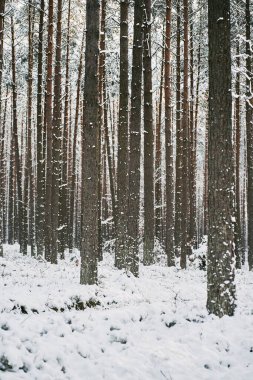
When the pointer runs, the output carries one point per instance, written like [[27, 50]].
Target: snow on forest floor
[[155, 327]]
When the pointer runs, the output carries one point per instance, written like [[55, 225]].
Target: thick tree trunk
[[221, 198], [90, 164]]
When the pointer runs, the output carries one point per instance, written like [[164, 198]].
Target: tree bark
[[221, 198]]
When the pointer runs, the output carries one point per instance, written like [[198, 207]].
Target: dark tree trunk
[[170, 190], [2, 10], [238, 226], [40, 202], [221, 199], [132, 261], [48, 123], [179, 153], [149, 222], [90, 164], [122, 172], [63, 207], [249, 115]]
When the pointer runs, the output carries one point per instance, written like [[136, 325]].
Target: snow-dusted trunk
[[149, 223], [90, 164], [17, 163], [132, 261], [40, 201], [185, 142], [64, 188], [178, 184], [170, 190], [221, 195], [122, 172], [2, 10], [48, 124], [238, 226], [73, 187], [57, 136], [249, 125]]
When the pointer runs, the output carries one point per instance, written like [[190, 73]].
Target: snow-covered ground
[[153, 328]]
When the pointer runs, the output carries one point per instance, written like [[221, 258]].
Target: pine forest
[[126, 189]]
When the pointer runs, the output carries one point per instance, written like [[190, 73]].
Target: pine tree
[[90, 161], [220, 260]]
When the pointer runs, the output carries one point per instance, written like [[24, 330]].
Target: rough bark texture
[[40, 202], [90, 196], [122, 173], [178, 188], [185, 135], [220, 260], [64, 188], [149, 222], [2, 10], [249, 126], [48, 123], [132, 261], [57, 137], [238, 226], [170, 190]]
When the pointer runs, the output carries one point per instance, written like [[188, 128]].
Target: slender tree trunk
[[63, 207], [48, 123], [74, 189], [40, 202], [158, 162], [249, 114], [90, 164], [185, 134], [132, 261], [179, 153], [2, 10], [170, 190], [18, 170], [57, 136], [122, 172], [238, 227], [220, 267], [149, 221]]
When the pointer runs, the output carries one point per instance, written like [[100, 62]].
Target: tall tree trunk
[[122, 172], [40, 201], [249, 114], [63, 207], [220, 257], [132, 261], [179, 153], [149, 221], [185, 135], [18, 170], [170, 190], [238, 227], [48, 114], [90, 163], [2, 10], [74, 189], [57, 136]]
